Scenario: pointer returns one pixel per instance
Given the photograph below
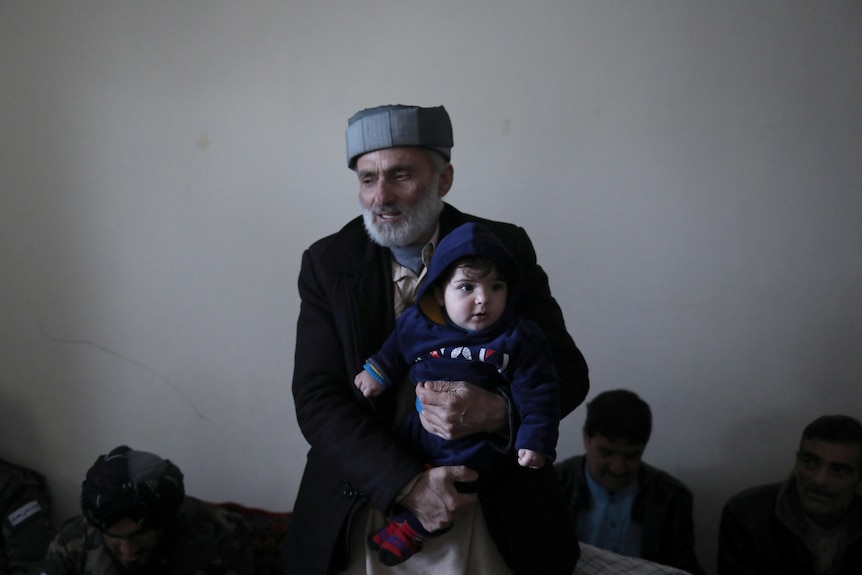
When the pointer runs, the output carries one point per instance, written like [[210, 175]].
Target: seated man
[[137, 519], [809, 524], [24, 507], [620, 503]]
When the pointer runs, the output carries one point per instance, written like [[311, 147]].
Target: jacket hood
[[471, 239]]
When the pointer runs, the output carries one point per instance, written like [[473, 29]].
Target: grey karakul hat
[[398, 125]]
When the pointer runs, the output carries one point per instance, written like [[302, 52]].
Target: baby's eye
[[466, 288], [498, 286]]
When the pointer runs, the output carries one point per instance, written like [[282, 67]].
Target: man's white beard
[[420, 220]]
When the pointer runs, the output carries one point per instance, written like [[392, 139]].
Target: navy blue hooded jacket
[[513, 355]]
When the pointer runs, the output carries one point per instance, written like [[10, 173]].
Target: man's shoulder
[[570, 471], [753, 505], [11, 474], [575, 462], [76, 536], [77, 549], [653, 476], [348, 251], [760, 495], [213, 537], [452, 217], [350, 235], [207, 522], [23, 492], [209, 517]]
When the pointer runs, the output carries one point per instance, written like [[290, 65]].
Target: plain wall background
[[690, 173]]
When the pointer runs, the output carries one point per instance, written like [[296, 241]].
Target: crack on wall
[[125, 359]]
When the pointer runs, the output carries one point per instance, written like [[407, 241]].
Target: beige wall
[[689, 172]]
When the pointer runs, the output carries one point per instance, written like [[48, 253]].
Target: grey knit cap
[[398, 125]]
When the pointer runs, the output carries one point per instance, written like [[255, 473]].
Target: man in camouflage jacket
[[137, 519]]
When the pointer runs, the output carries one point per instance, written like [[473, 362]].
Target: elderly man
[[809, 524], [353, 284], [137, 519], [621, 503], [25, 505]]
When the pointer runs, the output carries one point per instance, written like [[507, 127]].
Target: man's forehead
[[833, 452], [124, 529], [389, 158], [617, 444]]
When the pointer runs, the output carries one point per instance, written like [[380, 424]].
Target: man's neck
[[827, 523], [409, 256], [630, 489]]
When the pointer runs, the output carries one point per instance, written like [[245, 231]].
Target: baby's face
[[472, 302]]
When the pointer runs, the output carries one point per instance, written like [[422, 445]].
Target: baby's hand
[[530, 458], [367, 384]]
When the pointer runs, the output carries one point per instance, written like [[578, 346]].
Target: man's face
[[130, 544], [401, 195], [827, 479], [612, 464]]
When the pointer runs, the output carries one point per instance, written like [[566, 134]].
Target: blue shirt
[[608, 523]]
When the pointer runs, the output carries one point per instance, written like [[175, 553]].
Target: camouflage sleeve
[[55, 561], [241, 560], [215, 541], [235, 545], [205, 540], [76, 550], [26, 530]]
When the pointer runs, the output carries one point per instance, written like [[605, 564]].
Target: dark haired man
[[138, 519], [621, 503], [809, 524]]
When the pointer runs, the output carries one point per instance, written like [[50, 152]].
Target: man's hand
[[434, 499], [456, 409]]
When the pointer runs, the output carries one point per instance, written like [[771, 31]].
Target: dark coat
[[762, 531], [663, 507], [346, 314]]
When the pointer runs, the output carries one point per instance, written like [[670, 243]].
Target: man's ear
[[859, 469], [447, 176]]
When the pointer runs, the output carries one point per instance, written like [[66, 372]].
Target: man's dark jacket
[[663, 507], [346, 288], [762, 533]]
